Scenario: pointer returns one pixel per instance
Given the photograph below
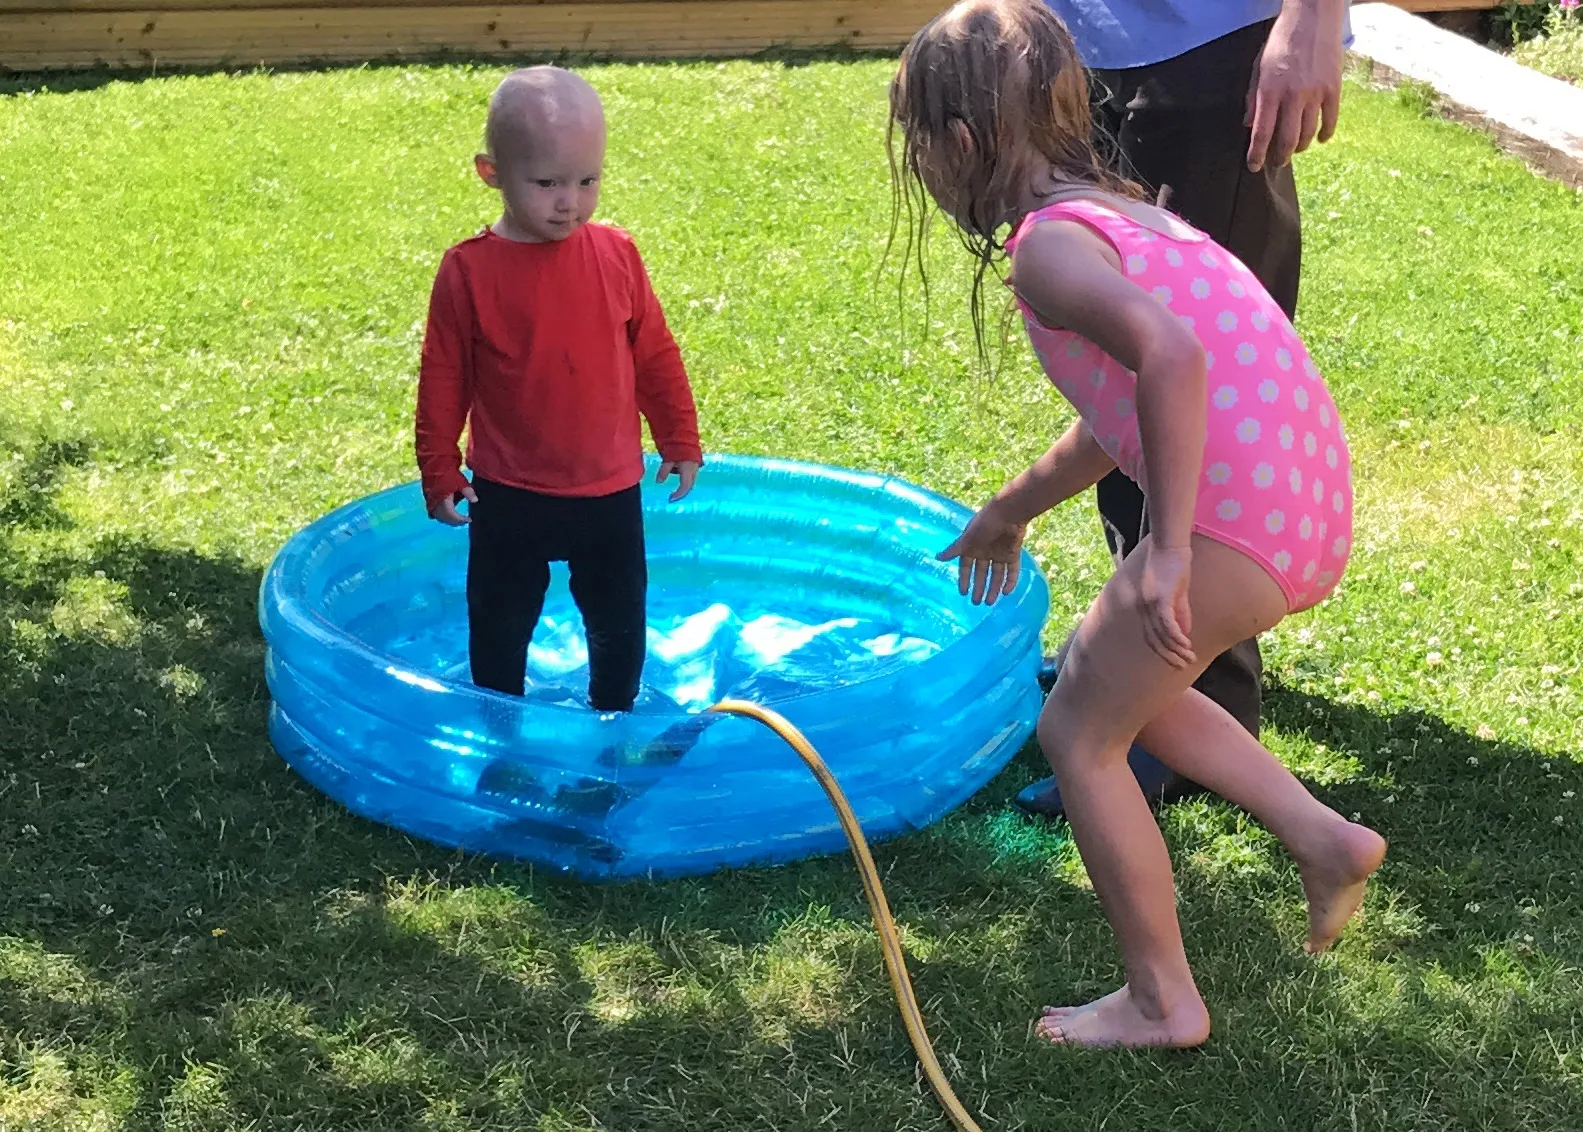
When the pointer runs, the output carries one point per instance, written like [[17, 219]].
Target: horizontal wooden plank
[[38, 7], [58, 40], [120, 33], [46, 6]]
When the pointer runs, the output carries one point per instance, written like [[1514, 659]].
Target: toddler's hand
[[989, 555], [445, 509], [1162, 598], [684, 470]]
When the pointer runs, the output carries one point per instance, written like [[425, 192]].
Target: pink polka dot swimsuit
[[1276, 482]]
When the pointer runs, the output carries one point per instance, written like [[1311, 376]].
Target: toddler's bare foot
[[1116, 1020], [1334, 881]]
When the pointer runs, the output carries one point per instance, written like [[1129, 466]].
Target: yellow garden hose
[[890, 942]]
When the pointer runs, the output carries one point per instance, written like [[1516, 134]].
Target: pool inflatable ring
[[812, 589]]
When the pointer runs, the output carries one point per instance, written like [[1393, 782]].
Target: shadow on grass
[[30, 498], [199, 940], [1484, 832]]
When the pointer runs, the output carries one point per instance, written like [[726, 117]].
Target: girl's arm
[[1073, 464], [989, 553], [1072, 279]]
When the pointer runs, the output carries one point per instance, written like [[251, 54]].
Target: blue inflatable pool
[[813, 590]]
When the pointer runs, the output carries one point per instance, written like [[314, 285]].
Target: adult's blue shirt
[[1113, 35]]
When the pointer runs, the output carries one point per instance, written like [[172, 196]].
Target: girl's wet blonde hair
[[983, 81]]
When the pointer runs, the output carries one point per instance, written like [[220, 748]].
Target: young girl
[[1188, 377]]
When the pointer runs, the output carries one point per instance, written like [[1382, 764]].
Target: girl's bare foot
[[1334, 881], [1117, 1020]]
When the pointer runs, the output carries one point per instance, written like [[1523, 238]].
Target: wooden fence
[[43, 35]]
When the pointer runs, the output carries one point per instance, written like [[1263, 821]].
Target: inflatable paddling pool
[[809, 589]]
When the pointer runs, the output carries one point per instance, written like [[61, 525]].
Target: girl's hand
[[684, 470], [445, 509], [1162, 599], [989, 555]]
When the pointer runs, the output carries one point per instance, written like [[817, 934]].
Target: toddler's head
[[991, 104], [544, 150]]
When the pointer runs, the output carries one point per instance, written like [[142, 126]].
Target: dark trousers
[[1179, 125], [512, 539]]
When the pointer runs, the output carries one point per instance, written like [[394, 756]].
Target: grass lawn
[[210, 312]]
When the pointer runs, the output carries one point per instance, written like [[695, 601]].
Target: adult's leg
[[1181, 128], [507, 576]]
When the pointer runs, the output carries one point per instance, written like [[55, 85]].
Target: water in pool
[[755, 642]]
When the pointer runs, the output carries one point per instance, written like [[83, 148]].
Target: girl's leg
[[1112, 686], [1197, 738]]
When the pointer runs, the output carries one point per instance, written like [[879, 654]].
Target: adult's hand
[[1296, 90]]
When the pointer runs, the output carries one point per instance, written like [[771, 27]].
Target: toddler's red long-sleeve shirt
[[552, 350]]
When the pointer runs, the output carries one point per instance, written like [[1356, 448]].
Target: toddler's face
[[552, 190]]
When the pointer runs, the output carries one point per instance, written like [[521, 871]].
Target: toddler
[[546, 339]]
